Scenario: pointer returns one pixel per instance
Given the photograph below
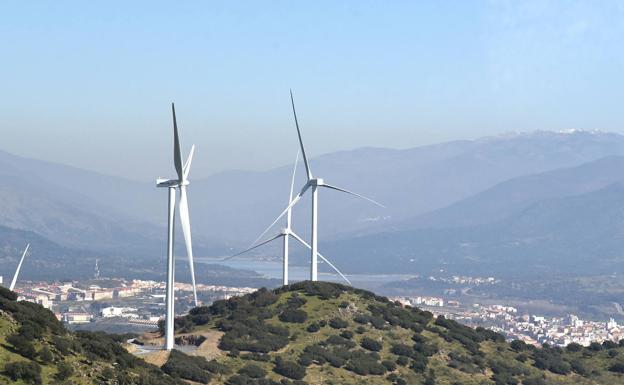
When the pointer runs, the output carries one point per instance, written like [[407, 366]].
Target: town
[[117, 305], [532, 329]]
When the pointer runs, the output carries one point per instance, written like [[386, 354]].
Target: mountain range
[[447, 204]]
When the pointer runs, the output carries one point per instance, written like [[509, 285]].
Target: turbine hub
[[317, 182]]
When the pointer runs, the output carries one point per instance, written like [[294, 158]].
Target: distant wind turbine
[[285, 233], [314, 184], [19, 266], [181, 182]]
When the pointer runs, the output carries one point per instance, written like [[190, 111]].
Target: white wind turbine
[[19, 266], [284, 234], [172, 184], [314, 184]]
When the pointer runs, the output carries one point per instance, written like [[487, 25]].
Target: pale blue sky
[[89, 83]]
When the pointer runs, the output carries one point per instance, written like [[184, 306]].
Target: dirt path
[[209, 348]]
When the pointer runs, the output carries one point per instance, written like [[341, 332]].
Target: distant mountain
[[85, 210], [519, 193], [582, 234]]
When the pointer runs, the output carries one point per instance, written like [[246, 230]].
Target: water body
[[273, 269]]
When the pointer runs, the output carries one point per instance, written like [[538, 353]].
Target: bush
[[402, 350], [390, 366], [371, 344], [618, 367], [609, 344], [253, 371], [191, 368], [595, 346], [338, 340], [338, 323], [402, 360], [348, 334], [574, 347], [46, 355], [293, 316], [518, 345], [64, 371], [22, 346], [29, 372], [313, 327], [289, 369]]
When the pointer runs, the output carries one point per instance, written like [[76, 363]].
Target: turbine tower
[[19, 266], [285, 233], [181, 182], [314, 184]]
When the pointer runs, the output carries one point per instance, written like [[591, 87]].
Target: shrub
[[402, 350], [371, 344], [64, 371], [253, 371], [289, 369], [348, 334], [338, 340], [360, 330], [402, 360], [338, 323], [618, 367], [30, 372], [22, 346], [390, 365], [574, 347], [313, 327], [7, 294], [595, 346], [191, 368], [46, 355], [518, 345], [293, 316]]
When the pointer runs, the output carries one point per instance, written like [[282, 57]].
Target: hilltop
[[325, 333]]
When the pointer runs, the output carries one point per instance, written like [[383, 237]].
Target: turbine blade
[[253, 247], [292, 187], [286, 210], [352, 193], [292, 181], [186, 230], [19, 266], [305, 158], [177, 157], [187, 165], [323, 258]]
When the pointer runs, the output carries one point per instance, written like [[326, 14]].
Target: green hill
[[322, 333], [306, 333]]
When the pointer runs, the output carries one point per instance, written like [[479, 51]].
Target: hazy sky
[[89, 83]]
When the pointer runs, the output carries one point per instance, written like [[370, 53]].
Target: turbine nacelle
[[160, 182]]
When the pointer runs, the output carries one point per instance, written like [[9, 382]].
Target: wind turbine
[[172, 184], [285, 233], [314, 184], [19, 266]]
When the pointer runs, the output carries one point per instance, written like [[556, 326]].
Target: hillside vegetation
[[306, 333], [322, 333], [36, 349]]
